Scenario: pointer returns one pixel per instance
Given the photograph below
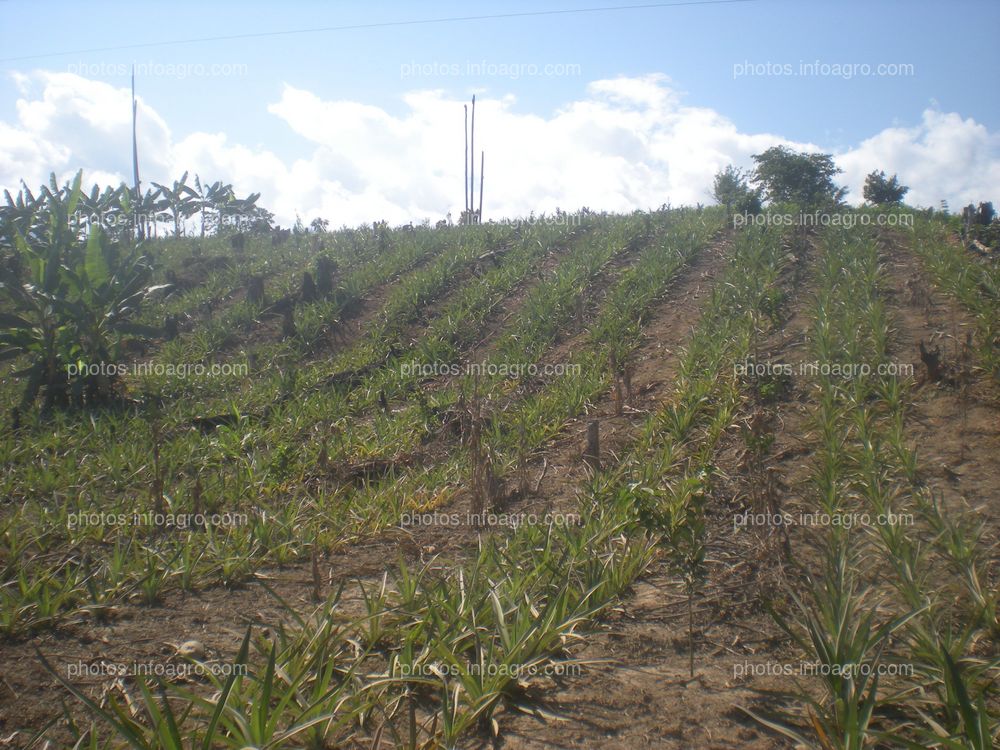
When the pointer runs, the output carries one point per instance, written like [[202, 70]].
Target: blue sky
[[615, 109]]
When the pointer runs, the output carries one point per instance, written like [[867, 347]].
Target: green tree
[[789, 176], [880, 191], [731, 189]]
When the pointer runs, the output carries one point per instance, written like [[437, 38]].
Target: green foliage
[[180, 199], [976, 286], [731, 189], [906, 594], [880, 190], [72, 307], [428, 656], [805, 179]]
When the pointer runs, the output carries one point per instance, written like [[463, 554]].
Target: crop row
[[904, 595], [974, 283], [439, 650], [133, 560]]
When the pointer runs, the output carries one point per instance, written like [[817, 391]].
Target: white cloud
[[943, 157], [65, 123], [628, 143]]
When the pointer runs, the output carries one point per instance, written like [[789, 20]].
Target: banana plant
[[215, 197], [146, 211], [35, 328], [180, 200], [73, 306], [245, 209], [17, 215], [103, 208], [104, 294]]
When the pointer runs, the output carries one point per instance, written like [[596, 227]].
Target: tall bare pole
[[482, 165], [472, 151], [465, 187], [140, 233]]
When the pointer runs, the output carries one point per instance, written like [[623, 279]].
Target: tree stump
[[255, 290], [288, 329], [308, 290], [238, 242], [592, 453], [932, 361], [170, 327], [325, 270]]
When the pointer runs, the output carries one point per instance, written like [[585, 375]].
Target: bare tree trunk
[[482, 164], [472, 153], [690, 594], [136, 222], [465, 186]]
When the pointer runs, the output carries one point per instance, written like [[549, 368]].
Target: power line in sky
[[376, 25]]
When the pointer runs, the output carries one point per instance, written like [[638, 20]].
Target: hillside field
[[659, 479]]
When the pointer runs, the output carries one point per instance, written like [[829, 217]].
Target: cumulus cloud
[[629, 142], [65, 123], [944, 157]]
